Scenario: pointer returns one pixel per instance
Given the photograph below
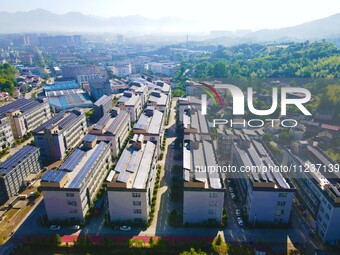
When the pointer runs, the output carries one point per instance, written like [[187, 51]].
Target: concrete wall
[[200, 206]]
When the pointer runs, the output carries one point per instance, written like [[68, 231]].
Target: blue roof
[[89, 138], [53, 176], [72, 161], [88, 166], [12, 162], [62, 85], [68, 101]]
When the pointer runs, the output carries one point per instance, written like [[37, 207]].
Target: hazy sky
[[215, 14]]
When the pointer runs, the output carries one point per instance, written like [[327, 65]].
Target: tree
[[193, 252]]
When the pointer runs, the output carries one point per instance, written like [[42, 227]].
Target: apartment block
[[61, 133], [131, 103], [102, 106], [111, 129], [130, 185], [99, 89], [159, 101], [15, 169], [24, 115], [69, 191], [203, 198], [317, 181], [151, 125], [266, 194], [6, 135]]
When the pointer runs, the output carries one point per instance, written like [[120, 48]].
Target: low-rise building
[[257, 180], [159, 101], [130, 185], [61, 133], [317, 181], [69, 191], [98, 89], [113, 129], [15, 169]]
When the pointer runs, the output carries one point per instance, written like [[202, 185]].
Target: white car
[[75, 227], [125, 228], [240, 221], [231, 189], [238, 212], [233, 196], [54, 228]]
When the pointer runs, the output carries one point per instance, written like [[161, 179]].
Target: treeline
[[7, 78], [295, 60]]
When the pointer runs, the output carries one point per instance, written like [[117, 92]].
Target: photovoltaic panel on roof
[[67, 120], [214, 178], [145, 166], [260, 148], [199, 162], [134, 162], [89, 138], [102, 122], [109, 178], [123, 161], [53, 176], [14, 160], [49, 123], [123, 176], [78, 180], [116, 122], [73, 160]]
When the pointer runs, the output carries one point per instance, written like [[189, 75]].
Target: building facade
[[69, 191], [61, 133], [130, 185], [15, 169], [102, 106]]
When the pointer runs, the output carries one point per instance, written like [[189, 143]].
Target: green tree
[[193, 252]]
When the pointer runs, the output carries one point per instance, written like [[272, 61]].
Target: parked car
[[238, 212], [75, 227], [231, 189], [173, 145], [54, 228], [233, 196], [240, 221], [125, 228]]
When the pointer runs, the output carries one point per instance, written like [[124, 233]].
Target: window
[[69, 194], [137, 203], [135, 194], [212, 203], [279, 212], [281, 203], [327, 216], [137, 211], [73, 203], [283, 194], [73, 211], [213, 194], [211, 212]]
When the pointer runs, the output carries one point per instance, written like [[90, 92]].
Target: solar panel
[[144, 166], [73, 160], [53, 176], [123, 176], [49, 123], [89, 138], [110, 176], [134, 162], [116, 122], [14, 160], [88, 166], [67, 120], [214, 177], [102, 122], [123, 160]]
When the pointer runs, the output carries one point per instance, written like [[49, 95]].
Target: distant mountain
[[44, 21], [322, 28]]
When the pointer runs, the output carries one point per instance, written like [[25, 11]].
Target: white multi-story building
[[203, 196], [25, 115], [6, 135], [131, 103], [267, 195], [121, 70], [111, 129], [15, 169], [317, 181], [61, 133], [130, 185], [151, 125], [159, 101], [69, 191]]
